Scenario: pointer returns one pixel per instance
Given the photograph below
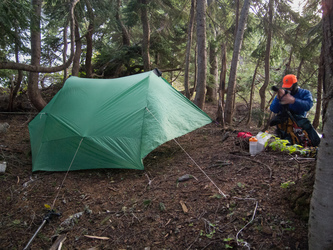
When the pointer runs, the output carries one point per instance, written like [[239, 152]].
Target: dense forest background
[[222, 51]]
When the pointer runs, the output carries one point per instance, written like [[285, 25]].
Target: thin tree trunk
[[212, 86], [195, 80], [223, 74], [316, 119], [234, 63], [124, 32], [262, 91], [202, 54], [146, 35], [221, 91], [211, 95], [33, 91], [321, 208], [252, 91], [78, 51], [236, 18], [14, 89], [188, 51], [89, 53], [89, 39], [64, 52]]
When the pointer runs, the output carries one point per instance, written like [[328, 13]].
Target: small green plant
[[146, 203], [215, 196], [287, 184], [239, 184], [228, 240], [162, 207], [282, 145]]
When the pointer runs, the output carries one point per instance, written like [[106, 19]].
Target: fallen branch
[[58, 243], [97, 237]]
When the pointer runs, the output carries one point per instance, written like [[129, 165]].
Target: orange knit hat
[[288, 81]]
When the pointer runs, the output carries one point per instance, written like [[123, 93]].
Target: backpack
[[296, 129]]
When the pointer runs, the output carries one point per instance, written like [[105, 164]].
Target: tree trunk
[[262, 90], [234, 63], [195, 80], [14, 89], [202, 55], [321, 208], [146, 35], [78, 51], [89, 53], [316, 119], [33, 91], [188, 51], [221, 91], [64, 52], [124, 32], [211, 95], [236, 18], [252, 91], [89, 40], [223, 74]]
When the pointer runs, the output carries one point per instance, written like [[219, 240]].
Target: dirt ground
[[231, 200]]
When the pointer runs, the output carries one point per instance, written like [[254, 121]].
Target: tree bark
[[64, 52], [321, 208], [146, 35], [124, 32], [252, 91], [14, 89], [211, 95], [223, 74], [78, 51], [89, 40], [221, 91], [89, 53], [229, 109], [202, 55], [262, 91], [33, 91], [188, 51], [316, 119]]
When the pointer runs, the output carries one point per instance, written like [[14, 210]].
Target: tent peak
[[157, 72]]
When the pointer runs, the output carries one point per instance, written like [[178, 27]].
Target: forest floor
[[232, 200]]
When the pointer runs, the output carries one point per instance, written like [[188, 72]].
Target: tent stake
[[46, 218]]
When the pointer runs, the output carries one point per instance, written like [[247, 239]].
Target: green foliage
[[284, 146], [287, 184]]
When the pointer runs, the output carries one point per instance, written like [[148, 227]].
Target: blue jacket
[[303, 103]]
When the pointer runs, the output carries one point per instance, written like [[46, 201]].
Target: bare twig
[[149, 180]]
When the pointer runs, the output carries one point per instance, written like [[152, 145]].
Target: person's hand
[[287, 99], [280, 93]]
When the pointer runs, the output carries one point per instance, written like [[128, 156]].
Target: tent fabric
[[110, 123]]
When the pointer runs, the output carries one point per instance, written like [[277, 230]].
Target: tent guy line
[[63, 181], [220, 191]]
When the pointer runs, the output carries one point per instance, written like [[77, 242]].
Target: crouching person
[[291, 105]]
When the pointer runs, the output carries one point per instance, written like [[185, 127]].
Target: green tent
[[110, 123]]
